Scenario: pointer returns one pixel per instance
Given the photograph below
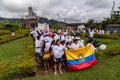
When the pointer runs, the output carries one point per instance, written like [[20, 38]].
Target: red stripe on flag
[[82, 66]]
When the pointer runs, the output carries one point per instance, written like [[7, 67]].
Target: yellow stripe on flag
[[74, 54]]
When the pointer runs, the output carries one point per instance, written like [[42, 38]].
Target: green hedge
[[25, 65], [108, 36], [113, 50], [19, 34], [105, 36], [4, 32]]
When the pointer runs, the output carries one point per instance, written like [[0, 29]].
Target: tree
[[91, 23]]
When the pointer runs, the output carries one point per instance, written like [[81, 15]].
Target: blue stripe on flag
[[86, 59]]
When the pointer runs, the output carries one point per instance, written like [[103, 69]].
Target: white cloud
[[73, 10]]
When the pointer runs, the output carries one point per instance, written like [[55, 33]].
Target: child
[[58, 53], [46, 56], [13, 34]]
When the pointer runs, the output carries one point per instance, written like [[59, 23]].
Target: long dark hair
[[43, 47], [50, 50], [57, 41]]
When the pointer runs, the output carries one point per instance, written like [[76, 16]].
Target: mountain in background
[[51, 22], [9, 19]]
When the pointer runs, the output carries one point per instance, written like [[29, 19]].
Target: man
[[91, 34]]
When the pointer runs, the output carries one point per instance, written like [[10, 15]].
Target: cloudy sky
[[72, 10]]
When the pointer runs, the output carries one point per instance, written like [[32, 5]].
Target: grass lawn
[[10, 50], [108, 68]]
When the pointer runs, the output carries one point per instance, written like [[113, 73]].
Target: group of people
[[49, 48]]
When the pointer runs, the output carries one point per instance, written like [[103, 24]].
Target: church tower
[[31, 20]]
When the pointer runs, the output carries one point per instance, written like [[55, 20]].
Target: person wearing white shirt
[[91, 34], [58, 52], [81, 43], [62, 37], [103, 31], [77, 37], [46, 56], [108, 32], [100, 32], [75, 45], [68, 38], [56, 37], [68, 45], [38, 46], [91, 42], [48, 38], [13, 34]]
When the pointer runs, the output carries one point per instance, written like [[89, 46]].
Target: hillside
[[52, 22]]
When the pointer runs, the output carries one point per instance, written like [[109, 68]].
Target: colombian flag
[[80, 58]]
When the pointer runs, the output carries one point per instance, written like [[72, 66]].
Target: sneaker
[[46, 71], [61, 72], [50, 70], [55, 73]]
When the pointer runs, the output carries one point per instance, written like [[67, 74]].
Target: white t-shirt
[[69, 46], [81, 44], [48, 39], [100, 31], [62, 37], [91, 34], [68, 38], [92, 46], [38, 44], [47, 46], [77, 37], [58, 51], [74, 46], [13, 34], [56, 37], [35, 35]]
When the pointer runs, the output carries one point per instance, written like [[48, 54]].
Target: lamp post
[[58, 15]]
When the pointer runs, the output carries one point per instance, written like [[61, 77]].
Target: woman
[[46, 56], [51, 52], [90, 42], [58, 52], [38, 47], [75, 44]]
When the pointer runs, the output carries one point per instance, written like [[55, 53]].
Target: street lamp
[[58, 15]]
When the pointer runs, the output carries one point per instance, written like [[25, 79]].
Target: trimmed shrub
[[108, 36], [113, 51], [82, 35], [25, 65], [106, 42], [19, 34], [4, 32]]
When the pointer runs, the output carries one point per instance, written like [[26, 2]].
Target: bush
[[82, 35], [106, 42], [108, 36], [113, 51], [7, 69], [19, 34], [25, 65], [4, 32]]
